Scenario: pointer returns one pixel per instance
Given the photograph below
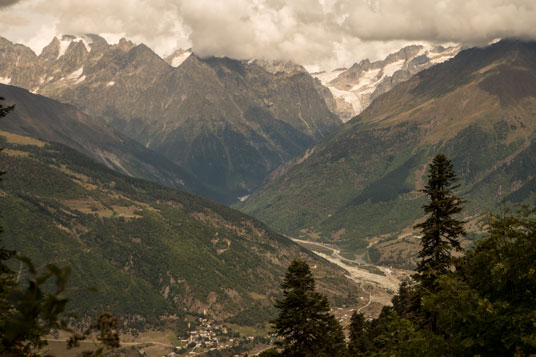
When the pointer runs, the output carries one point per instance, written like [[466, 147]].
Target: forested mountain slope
[[150, 251], [479, 108]]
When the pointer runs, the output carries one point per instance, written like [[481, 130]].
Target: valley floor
[[379, 283]]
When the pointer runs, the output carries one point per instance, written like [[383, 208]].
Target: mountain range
[[222, 128], [360, 187], [227, 122]]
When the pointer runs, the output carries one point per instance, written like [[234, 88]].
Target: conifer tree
[[441, 230], [358, 335], [305, 325], [5, 110]]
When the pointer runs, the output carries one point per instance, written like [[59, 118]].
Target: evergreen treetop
[[358, 335], [305, 325], [441, 230]]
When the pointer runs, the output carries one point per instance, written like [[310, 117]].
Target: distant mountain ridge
[[47, 119], [360, 186], [356, 87], [227, 122]]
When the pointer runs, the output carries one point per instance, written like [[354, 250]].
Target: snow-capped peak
[[66, 41], [178, 57], [356, 87]]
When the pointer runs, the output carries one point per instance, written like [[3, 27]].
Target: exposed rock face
[[356, 87], [19, 65], [229, 122]]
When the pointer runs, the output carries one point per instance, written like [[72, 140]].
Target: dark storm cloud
[[6, 3]]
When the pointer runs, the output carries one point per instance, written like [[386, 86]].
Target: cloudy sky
[[323, 33]]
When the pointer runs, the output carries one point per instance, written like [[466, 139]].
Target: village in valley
[[206, 335]]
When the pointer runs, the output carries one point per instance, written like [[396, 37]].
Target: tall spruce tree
[[359, 340], [305, 325], [441, 230]]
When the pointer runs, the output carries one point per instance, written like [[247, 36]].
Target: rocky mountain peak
[[229, 122], [406, 53], [18, 64], [51, 51], [5, 42], [477, 108], [76, 53], [124, 45], [97, 43], [141, 56], [278, 66]]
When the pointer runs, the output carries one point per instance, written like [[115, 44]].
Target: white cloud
[[469, 21], [324, 33]]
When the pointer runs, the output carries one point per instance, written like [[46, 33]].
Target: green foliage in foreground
[[304, 324], [480, 304], [30, 312], [441, 231], [483, 303], [485, 306]]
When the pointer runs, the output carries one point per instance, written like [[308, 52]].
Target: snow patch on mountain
[[349, 97], [67, 40], [178, 57], [326, 77], [391, 68], [177, 61], [356, 87], [445, 56], [76, 74], [80, 80], [367, 81], [64, 45]]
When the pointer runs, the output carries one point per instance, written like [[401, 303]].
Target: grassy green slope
[[479, 109], [149, 251]]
